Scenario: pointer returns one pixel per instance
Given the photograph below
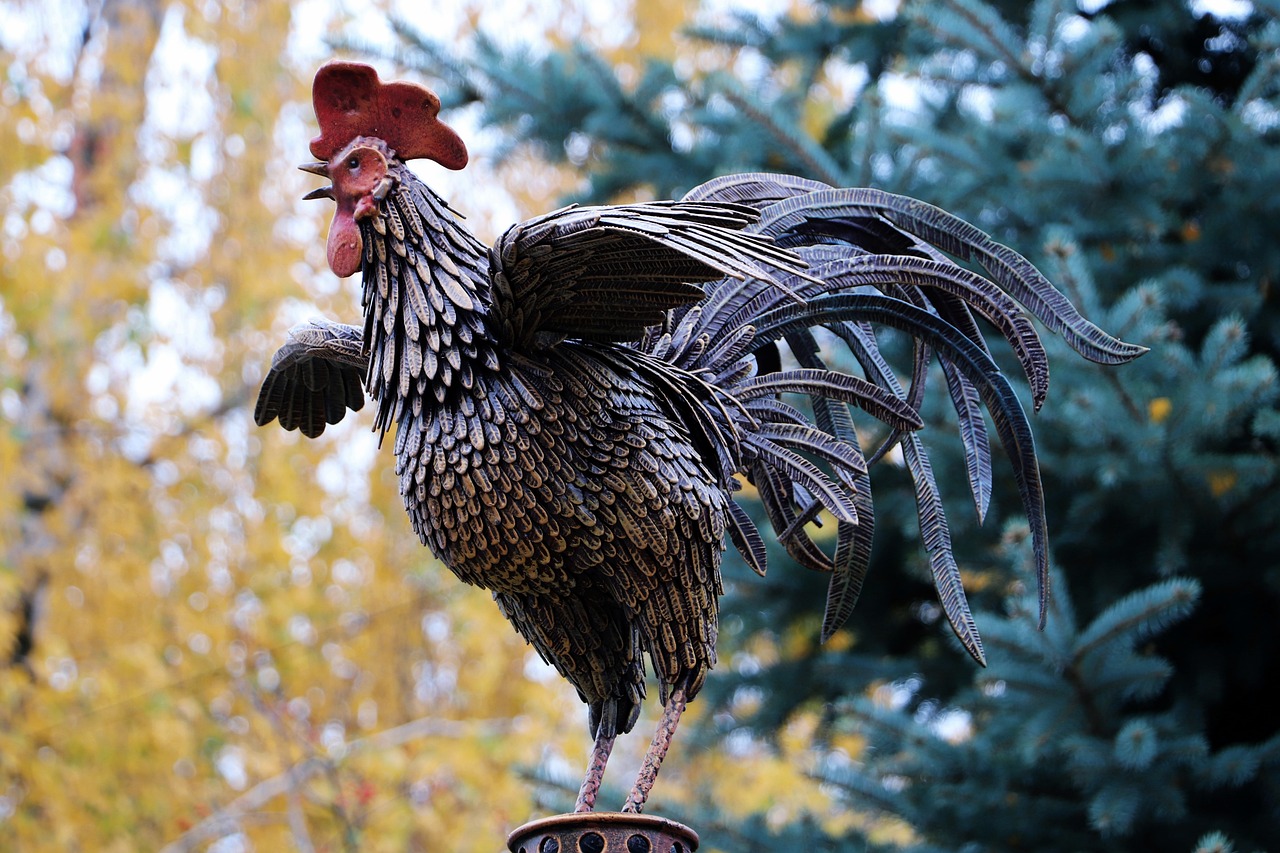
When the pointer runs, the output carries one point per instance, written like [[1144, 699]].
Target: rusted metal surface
[[603, 832]]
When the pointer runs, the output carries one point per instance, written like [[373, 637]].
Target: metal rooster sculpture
[[572, 406]]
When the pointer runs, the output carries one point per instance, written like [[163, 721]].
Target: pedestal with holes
[[603, 832]]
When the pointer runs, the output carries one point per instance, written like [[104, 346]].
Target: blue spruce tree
[[1132, 150]]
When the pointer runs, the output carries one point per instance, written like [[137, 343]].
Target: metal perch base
[[603, 832]]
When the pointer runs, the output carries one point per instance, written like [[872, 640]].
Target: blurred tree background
[[218, 635]]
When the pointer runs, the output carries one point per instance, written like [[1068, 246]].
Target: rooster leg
[[657, 751], [595, 774]]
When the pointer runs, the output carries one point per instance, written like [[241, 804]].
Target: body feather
[[575, 404]]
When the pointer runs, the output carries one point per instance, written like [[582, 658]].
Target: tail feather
[[778, 496], [874, 259], [993, 387], [746, 538], [929, 277], [754, 189], [852, 557], [787, 220], [934, 531]]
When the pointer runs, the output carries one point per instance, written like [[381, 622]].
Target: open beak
[[322, 169]]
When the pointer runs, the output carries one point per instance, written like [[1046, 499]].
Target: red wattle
[[345, 249]]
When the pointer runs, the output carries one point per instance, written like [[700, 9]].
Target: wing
[[314, 378], [607, 273]]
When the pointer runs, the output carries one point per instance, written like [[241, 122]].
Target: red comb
[[351, 101]]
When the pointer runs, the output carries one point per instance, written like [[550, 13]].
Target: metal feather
[[575, 404]]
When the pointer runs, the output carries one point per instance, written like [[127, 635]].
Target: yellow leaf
[[1221, 482]]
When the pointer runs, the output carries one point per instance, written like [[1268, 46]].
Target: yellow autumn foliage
[[209, 629]]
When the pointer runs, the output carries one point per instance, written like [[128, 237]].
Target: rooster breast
[[565, 488]]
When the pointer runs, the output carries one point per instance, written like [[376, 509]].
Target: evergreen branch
[[997, 38], [1045, 15], [1214, 842], [986, 22], [1034, 682], [872, 101], [738, 40], [1139, 615], [1264, 77], [1135, 679], [1232, 766], [817, 162], [868, 788]]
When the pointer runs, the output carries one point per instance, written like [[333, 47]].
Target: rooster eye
[[353, 163]]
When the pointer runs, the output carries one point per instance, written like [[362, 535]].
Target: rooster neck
[[426, 304]]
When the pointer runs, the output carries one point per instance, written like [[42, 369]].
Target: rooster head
[[364, 124]]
